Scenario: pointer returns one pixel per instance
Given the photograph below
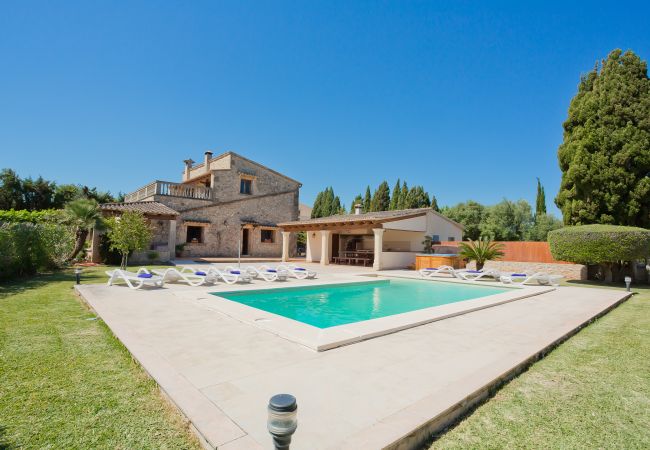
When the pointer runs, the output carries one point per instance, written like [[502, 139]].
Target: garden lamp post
[[283, 419], [628, 281], [77, 274]]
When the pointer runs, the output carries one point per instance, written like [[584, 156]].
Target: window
[[267, 236], [451, 238], [194, 235], [246, 186], [435, 238]]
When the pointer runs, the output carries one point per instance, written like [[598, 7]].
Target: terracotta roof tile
[[152, 208]]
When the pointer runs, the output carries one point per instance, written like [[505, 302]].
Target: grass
[[593, 391], [66, 382]]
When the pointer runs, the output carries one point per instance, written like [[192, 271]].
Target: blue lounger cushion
[[144, 275], [474, 271], [200, 272], [431, 268], [299, 268], [518, 275], [271, 270], [235, 272]]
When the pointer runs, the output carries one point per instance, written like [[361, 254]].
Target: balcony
[[169, 189]]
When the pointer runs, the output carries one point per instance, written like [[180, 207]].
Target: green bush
[[23, 215], [599, 244], [26, 248]]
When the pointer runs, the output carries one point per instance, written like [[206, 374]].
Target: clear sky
[[465, 98]]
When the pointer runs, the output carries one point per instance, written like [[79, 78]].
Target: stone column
[[94, 246], [286, 238], [379, 246], [326, 245], [171, 239]]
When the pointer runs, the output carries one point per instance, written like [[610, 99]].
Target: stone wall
[[569, 271], [221, 233]]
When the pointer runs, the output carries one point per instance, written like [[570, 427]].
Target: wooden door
[[244, 241]]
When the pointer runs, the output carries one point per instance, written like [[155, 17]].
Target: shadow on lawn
[[19, 285], [4, 440]]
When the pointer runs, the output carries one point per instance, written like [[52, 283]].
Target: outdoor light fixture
[[628, 281], [283, 419], [77, 274]]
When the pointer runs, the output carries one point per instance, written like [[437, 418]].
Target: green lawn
[[66, 382], [593, 391]]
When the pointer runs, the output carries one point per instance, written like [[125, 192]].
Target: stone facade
[[222, 219], [569, 271]]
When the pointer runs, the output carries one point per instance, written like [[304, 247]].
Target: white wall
[[443, 228], [403, 241], [397, 260], [412, 224], [314, 245]]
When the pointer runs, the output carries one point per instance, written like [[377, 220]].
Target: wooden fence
[[522, 251]]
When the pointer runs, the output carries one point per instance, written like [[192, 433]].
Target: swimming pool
[[327, 306]]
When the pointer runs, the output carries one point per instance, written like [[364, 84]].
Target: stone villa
[[222, 200]]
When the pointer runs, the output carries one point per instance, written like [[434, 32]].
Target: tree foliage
[[605, 155], [395, 197], [37, 194], [128, 233], [367, 201], [84, 215], [540, 199], [326, 204], [381, 198], [469, 214]]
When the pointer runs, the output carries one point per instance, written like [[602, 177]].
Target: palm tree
[[481, 251], [84, 215]]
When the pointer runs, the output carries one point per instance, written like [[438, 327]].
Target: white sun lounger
[[230, 275], [475, 275], [297, 272], [540, 278], [429, 271], [134, 280], [267, 273], [185, 275]]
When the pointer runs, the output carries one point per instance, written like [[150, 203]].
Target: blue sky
[[465, 98]]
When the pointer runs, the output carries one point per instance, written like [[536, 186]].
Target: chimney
[[188, 167], [206, 160], [357, 209]]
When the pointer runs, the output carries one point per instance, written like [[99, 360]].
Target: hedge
[[23, 215], [596, 244]]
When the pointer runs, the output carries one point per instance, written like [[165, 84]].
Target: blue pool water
[[331, 305]]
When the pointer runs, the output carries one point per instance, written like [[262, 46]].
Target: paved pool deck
[[387, 392]]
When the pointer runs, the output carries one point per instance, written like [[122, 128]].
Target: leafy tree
[[540, 200], [381, 199], [481, 250], [469, 214], [395, 198], [38, 194], [417, 198], [605, 155], [543, 224], [11, 190], [317, 208], [83, 215], [128, 233], [367, 201], [358, 200], [507, 221]]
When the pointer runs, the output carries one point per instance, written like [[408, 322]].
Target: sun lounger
[[429, 271], [230, 275], [185, 275], [268, 273], [134, 280], [540, 278], [297, 272], [475, 275]]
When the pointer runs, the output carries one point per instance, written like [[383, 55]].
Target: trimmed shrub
[[23, 215], [598, 244]]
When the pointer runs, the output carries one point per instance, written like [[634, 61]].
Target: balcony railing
[[170, 189]]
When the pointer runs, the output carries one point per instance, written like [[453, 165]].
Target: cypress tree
[[318, 203], [358, 200], [367, 201], [381, 199], [605, 154], [540, 201], [394, 200], [434, 203], [403, 196]]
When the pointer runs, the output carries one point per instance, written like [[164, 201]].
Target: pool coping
[[322, 339]]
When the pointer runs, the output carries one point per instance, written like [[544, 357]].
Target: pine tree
[[316, 210], [367, 201], [326, 204], [381, 199], [540, 201], [394, 200], [605, 155]]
